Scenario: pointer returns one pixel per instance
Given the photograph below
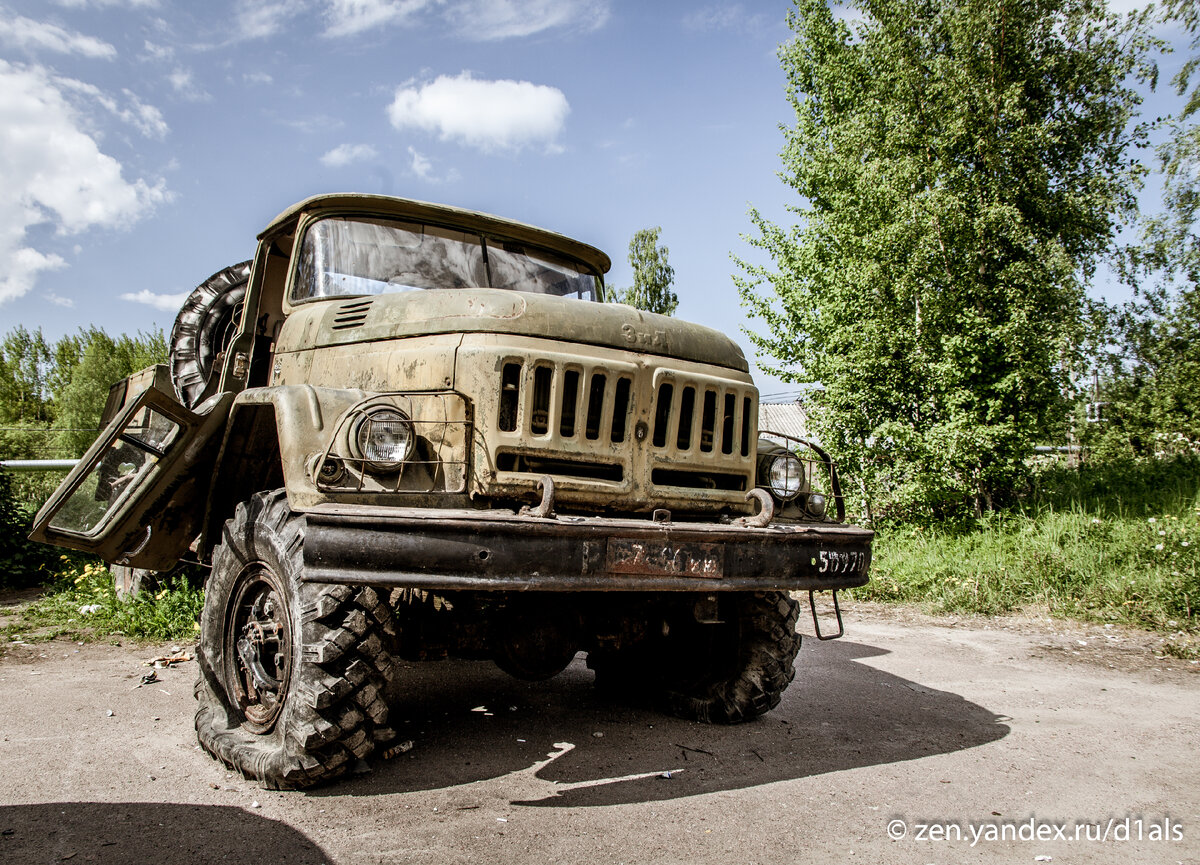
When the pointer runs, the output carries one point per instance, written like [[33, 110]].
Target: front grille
[[723, 424], [580, 403], [577, 419], [555, 464]]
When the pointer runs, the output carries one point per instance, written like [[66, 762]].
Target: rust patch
[[662, 558]]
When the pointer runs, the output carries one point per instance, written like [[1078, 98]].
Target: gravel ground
[[956, 734]]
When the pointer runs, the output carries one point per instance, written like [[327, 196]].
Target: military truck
[[409, 431]]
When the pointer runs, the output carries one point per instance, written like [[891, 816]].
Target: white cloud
[[350, 17], [147, 119], [154, 51], [32, 35], [492, 20], [421, 166], [423, 169], [165, 302], [476, 20], [132, 4], [345, 154], [314, 124], [488, 115], [258, 19], [723, 17], [258, 78], [59, 300], [183, 84], [53, 172]]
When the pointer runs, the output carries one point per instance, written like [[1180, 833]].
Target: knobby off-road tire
[[716, 673], [202, 331], [302, 697], [744, 678]]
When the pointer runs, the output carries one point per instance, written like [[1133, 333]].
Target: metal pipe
[[38, 465]]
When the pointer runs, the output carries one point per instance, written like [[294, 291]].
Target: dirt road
[[892, 745]]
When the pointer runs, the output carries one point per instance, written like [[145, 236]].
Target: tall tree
[[100, 361], [25, 367], [960, 165], [652, 275], [1153, 377]]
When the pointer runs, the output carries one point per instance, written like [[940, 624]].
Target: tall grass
[[1115, 543], [83, 605]]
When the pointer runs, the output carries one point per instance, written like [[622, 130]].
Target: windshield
[[343, 257]]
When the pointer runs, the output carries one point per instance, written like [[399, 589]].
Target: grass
[[1113, 554], [82, 605], [1112, 543]]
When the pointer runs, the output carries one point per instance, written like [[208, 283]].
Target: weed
[[1090, 560], [82, 605]]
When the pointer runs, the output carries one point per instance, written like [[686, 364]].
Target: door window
[[129, 459]]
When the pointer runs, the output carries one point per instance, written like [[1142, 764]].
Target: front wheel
[[291, 673]]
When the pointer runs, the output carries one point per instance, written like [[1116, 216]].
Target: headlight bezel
[[790, 484], [372, 421]]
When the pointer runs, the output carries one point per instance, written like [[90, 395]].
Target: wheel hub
[[258, 647]]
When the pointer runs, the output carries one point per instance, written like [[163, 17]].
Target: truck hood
[[478, 310]]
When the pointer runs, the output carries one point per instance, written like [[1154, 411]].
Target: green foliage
[[1152, 361], [960, 167], [99, 362], [25, 364], [1151, 380], [652, 275], [22, 562], [52, 396], [82, 605], [1187, 14], [1123, 551]]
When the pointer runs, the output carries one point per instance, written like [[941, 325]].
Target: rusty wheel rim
[[258, 647]]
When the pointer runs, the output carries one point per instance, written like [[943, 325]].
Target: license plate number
[[647, 557]]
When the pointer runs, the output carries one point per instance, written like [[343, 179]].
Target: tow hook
[[766, 510], [544, 510]]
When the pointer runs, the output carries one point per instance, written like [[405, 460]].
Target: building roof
[[787, 418]]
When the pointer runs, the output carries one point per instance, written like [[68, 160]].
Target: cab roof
[[386, 206]]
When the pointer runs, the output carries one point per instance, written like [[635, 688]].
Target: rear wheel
[[724, 672], [129, 581], [737, 670], [292, 673]]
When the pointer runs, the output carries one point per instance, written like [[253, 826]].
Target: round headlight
[[385, 439], [785, 476]]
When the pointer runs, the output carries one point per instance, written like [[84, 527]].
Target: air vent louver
[[351, 315]]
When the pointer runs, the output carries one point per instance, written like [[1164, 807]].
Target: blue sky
[[144, 143]]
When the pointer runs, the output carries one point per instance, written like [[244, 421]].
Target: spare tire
[[203, 330]]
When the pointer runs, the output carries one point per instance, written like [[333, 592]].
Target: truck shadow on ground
[[128, 832], [559, 743]]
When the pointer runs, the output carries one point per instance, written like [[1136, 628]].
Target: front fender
[[270, 433]]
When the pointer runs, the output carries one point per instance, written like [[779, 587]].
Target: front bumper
[[504, 551]]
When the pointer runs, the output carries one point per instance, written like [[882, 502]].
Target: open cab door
[[138, 495]]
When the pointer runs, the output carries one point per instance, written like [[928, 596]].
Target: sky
[[145, 143]]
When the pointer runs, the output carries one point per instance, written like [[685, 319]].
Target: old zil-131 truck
[[405, 430]]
